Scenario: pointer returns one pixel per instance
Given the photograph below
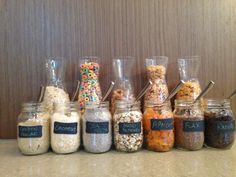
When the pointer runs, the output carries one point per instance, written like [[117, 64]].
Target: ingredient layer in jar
[[90, 90], [158, 129], [54, 95], [158, 91], [65, 132], [219, 130], [128, 131], [190, 90], [189, 132], [97, 133], [33, 135], [118, 95]]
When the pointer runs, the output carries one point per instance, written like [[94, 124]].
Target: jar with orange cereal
[[158, 125], [188, 69], [156, 70]]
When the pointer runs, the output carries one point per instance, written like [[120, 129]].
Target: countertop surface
[[176, 163]]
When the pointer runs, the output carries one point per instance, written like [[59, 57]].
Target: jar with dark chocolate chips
[[219, 124]]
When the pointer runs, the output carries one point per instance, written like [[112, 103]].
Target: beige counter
[[204, 163]]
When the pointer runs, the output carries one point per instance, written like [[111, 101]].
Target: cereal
[[90, 87], [123, 90], [156, 72], [124, 139], [118, 95], [190, 90], [158, 91]]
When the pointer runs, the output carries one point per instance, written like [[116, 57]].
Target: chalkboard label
[[97, 127], [225, 126], [162, 124], [193, 126], [65, 128], [129, 128], [30, 131]]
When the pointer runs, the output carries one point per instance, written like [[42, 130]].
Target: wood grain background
[[33, 30]]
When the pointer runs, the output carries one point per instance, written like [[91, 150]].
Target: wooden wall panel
[[33, 30]]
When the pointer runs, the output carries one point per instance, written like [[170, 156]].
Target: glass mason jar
[[90, 90], [189, 125], [219, 124], [97, 128], [158, 125], [65, 128], [33, 129], [156, 67], [123, 89], [127, 126], [188, 70], [55, 91]]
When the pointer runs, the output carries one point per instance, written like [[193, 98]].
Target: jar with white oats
[[33, 128], [97, 130], [128, 126], [55, 91], [65, 128]]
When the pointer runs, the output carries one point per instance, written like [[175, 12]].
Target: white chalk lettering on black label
[[225, 126], [65, 128], [97, 127], [30, 131], [193, 126], [162, 124], [129, 128]]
